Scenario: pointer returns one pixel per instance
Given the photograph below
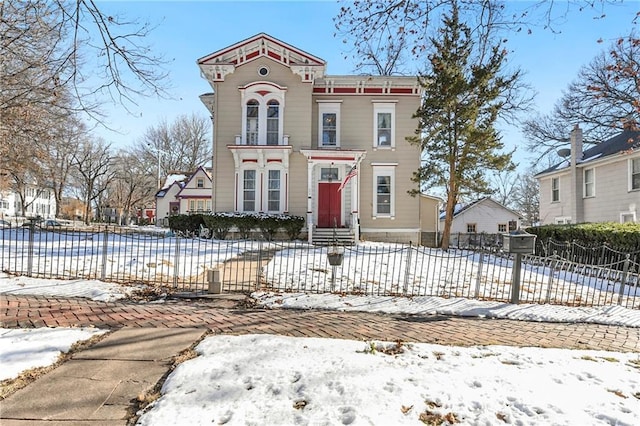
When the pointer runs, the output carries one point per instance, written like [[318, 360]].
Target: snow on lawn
[[425, 305], [388, 269], [260, 379], [90, 289], [117, 257], [23, 349]]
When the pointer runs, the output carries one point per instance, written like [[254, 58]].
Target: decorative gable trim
[[217, 65]]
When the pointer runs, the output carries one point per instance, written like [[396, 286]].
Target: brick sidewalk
[[36, 311]]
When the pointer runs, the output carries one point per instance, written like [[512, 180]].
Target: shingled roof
[[628, 140]]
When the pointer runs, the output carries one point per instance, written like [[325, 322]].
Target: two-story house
[[184, 194], [289, 138], [600, 184]]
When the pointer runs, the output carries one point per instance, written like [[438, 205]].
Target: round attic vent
[[263, 71]]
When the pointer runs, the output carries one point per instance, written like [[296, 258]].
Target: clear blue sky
[[189, 30]]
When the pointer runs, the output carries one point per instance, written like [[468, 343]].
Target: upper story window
[[273, 122], [555, 189], [328, 124], [384, 117], [634, 174], [262, 112], [589, 183], [200, 183]]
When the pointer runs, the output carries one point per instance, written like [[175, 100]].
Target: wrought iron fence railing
[[376, 269]]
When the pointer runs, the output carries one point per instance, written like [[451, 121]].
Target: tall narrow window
[[384, 129], [253, 109], [383, 190], [328, 124], [273, 197], [200, 183], [273, 125], [329, 121], [555, 189], [635, 174], [384, 124], [589, 183], [383, 198], [249, 191]]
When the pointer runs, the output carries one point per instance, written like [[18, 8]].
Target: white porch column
[[355, 205], [309, 201]]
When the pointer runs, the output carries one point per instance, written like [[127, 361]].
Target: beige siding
[[429, 213], [549, 210], [612, 195]]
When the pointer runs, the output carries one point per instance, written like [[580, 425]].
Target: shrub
[[292, 226]]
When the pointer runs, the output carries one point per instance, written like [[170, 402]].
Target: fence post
[[623, 278], [406, 271], [103, 274], [553, 265], [515, 281], [32, 229], [176, 262], [476, 293]]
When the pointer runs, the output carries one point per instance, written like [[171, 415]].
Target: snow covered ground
[[23, 349], [260, 379], [274, 380]]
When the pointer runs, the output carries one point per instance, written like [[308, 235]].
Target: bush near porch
[[245, 224]]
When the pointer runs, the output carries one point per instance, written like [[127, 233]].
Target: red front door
[[329, 207]]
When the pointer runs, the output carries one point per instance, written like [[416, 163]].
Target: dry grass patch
[[148, 396]]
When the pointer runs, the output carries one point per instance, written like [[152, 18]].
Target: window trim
[[592, 183], [382, 108], [262, 93], [328, 107], [629, 213], [242, 189], [378, 171], [631, 173], [555, 190]]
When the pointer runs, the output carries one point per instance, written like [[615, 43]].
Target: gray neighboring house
[[600, 184]]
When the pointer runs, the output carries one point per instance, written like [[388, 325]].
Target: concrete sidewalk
[[97, 386]]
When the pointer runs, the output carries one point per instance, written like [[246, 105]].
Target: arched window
[[263, 106], [253, 118], [273, 122]]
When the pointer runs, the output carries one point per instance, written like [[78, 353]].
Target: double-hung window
[[273, 195], [384, 116], [589, 183], [634, 174], [383, 190], [253, 120], [555, 190], [273, 122], [328, 124], [249, 191]]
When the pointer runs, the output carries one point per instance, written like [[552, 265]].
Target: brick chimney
[[576, 200], [576, 145]]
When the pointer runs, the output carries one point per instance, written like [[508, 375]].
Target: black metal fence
[[182, 264]]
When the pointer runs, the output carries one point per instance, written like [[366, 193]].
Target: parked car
[[51, 223], [4, 224]]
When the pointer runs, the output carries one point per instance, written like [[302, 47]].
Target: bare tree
[[503, 186], [182, 145], [43, 44], [93, 167], [603, 99], [527, 198], [377, 27], [131, 186]]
